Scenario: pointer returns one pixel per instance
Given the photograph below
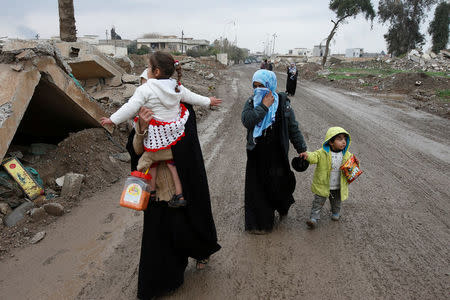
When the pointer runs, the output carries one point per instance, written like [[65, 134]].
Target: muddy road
[[392, 241]]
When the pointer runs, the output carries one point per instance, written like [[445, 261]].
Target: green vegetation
[[351, 73], [444, 95]]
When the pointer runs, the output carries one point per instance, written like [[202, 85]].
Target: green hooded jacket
[[322, 157]]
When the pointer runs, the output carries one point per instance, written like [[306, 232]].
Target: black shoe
[[176, 201]]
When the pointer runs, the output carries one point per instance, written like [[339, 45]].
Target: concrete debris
[[38, 213], [72, 185], [209, 76], [5, 112], [60, 181], [128, 91], [4, 208], [17, 214], [17, 67], [54, 209], [43, 85], [128, 78], [37, 237]]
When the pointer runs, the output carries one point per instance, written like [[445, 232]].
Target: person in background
[[291, 81]]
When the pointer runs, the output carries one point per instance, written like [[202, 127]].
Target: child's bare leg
[[176, 178]]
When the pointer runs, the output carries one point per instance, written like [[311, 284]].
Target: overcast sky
[[297, 23]]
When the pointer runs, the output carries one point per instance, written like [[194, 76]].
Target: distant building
[[319, 50], [172, 43], [301, 51], [354, 52]]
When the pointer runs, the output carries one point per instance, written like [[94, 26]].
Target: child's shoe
[[335, 217], [176, 201], [312, 223]]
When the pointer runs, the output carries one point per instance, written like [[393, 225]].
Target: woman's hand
[[215, 101], [145, 115], [268, 99], [105, 121], [303, 155]]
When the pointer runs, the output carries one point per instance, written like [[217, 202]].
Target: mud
[[391, 242]]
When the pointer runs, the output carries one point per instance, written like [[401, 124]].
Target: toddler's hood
[[165, 91], [332, 131]]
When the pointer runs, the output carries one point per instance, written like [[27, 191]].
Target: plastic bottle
[[136, 191]]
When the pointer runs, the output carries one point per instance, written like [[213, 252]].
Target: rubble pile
[[89, 158]]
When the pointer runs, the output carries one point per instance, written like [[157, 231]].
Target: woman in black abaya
[[269, 181], [291, 81], [171, 235]]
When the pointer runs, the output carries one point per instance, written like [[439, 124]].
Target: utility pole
[[273, 46], [182, 41], [106, 32]]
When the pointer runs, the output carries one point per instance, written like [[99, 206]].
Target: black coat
[[171, 235]]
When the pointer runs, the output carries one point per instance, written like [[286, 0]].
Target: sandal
[[201, 263], [177, 201]]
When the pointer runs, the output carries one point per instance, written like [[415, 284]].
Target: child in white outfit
[[162, 95]]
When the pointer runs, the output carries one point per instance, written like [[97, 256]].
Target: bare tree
[[343, 10], [67, 29]]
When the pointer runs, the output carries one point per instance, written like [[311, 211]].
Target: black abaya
[[269, 181], [291, 83], [171, 235]]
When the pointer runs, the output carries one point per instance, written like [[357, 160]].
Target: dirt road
[[392, 241]]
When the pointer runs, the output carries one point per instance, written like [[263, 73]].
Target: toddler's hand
[[303, 155], [215, 101], [105, 121]]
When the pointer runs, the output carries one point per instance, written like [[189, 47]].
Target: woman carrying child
[[269, 181], [171, 235]]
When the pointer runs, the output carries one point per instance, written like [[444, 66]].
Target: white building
[[301, 52], [354, 52], [172, 43], [319, 50]]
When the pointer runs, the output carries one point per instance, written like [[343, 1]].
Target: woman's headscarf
[[269, 80], [292, 70]]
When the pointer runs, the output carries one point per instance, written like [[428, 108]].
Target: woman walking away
[[291, 81], [269, 181]]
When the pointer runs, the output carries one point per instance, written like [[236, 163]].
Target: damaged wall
[[39, 100]]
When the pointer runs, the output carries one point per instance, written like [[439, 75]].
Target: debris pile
[[69, 155]]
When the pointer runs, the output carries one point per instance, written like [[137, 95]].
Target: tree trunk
[[67, 29], [330, 37]]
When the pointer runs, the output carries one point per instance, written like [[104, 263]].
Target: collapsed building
[[41, 97]]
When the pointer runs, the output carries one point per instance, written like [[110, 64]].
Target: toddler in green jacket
[[329, 181]]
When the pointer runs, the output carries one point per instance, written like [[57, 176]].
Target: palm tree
[[67, 29]]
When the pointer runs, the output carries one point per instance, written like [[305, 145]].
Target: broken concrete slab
[[17, 214], [72, 185], [88, 62], [42, 103], [128, 78]]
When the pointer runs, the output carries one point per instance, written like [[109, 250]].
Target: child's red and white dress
[[163, 135], [169, 116]]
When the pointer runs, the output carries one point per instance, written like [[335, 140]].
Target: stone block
[[37, 237], [17, 214], [54, 209], [72, 185], [128, 78], [4, 208], [38, 213]]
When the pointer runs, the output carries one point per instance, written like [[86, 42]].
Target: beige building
[[172, 43]]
